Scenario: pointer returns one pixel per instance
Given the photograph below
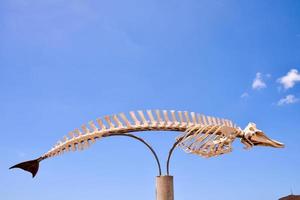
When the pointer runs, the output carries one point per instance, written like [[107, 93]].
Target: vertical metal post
[[164, 188]]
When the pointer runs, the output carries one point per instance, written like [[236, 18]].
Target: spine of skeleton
[[149, 120]]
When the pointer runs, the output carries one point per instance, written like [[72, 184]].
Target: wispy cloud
[[289, 99], [258, 83], [244, 95], [290, 79]]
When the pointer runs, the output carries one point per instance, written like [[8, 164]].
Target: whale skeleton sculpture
[[202, 135]]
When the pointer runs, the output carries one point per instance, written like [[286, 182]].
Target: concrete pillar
[[164, 188]]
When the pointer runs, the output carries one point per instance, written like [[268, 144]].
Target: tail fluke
[[31, 166]]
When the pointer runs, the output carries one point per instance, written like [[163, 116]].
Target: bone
[[187, 118], [209, 143], [202, 137], [93, 126], [152, 119], [108, 120], [226, 122], [59, 143], [78, 132], [85, 129], [199, 136], [92, 140], [190, 130], [205, 131], [62, 150], [221, 145], [214, 121], [174, 120], [223, 122], [216, 131], [65, 139], [79, 146], [100, 134], [73, 147], [231, 124], [189, 145], [204, 120], [198, 119], [71, 134], [67, 148], [194, 119], [180, 117], [117, 121], [70, 147], [136, 121], [166, 118], [191, 142], [86, 144], [142, 116], [100, 124], [209, 120], [211, 137], [82, 145], [56, 153], [124, 118], [159, 120]]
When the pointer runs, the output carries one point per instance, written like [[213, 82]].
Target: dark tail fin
[[31, 166]]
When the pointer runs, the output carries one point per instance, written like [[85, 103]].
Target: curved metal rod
[[144, 142], [170, 154]]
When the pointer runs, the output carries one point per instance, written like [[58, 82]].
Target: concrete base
[[164, 188]]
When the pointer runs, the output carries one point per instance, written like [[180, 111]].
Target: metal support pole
[[164, 188]]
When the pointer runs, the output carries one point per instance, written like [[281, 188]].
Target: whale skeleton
[[202, 135]]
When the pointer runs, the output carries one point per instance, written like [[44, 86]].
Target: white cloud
[[289, 99], [258, 82], [244, 95], [290, 79]]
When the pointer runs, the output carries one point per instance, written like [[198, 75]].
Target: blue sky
[[64, 63]]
